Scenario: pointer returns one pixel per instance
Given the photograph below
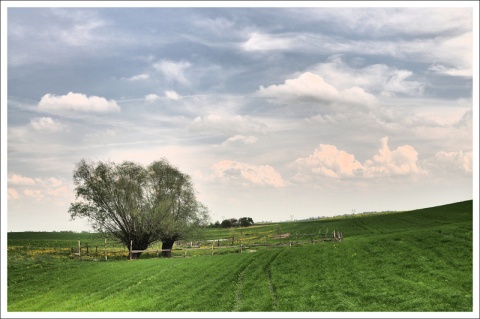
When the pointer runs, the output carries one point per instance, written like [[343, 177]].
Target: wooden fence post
[[130, 252], [86, 245], [79, 248], [105, 249], [212, 248]]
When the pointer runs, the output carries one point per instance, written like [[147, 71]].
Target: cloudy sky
[[276, 113]]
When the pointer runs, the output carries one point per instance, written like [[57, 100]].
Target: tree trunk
[[135, 255], [167, 244], [136, 245]]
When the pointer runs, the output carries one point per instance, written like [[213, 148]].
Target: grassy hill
[[418, 260]]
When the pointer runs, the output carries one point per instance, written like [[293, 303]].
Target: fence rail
[[213, 244]]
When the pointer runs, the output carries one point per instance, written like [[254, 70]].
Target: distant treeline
[[232, 222]]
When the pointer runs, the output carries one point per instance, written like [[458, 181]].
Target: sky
[[276, 112]]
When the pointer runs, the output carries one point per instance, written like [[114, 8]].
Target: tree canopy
[[233, 222], [137, 204]]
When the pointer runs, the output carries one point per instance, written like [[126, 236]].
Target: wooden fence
[[336, 236]]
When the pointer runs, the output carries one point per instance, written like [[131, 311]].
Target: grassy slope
[[411, 261]]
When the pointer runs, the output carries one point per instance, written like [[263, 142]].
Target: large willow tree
[[137, 204]]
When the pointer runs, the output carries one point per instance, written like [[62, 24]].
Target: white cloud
[[173, 71], [454, 161], [21, 180], [452, 55], [36, 194], [328, 161], [312, 87], [375, 78], [151, 97], [39, 188], [46, 124], [247, 174], [331, 162], [12, 194], [401, 161], [452, 71], [77, 102], [172, 95], [138, 77], [267, 42], [242, 139]]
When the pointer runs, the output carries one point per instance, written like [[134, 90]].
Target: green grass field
[[397, 262]]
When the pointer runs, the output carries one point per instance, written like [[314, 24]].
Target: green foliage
[[227, 223], [233, 222], [412, 261], [245, 221], [135, 203]]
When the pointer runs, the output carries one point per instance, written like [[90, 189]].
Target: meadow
[[419, 260]]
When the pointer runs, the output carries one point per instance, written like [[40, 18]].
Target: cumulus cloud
[[401, 161], [46, 124], [327, 160], [240, 139], [21, 180], [173, 71], [37, 188], [77, 102], [331, 162], [247, 174], [312, 87], [172, 95]]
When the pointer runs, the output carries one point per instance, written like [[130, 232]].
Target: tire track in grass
[[271, 286], [238, 291]]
